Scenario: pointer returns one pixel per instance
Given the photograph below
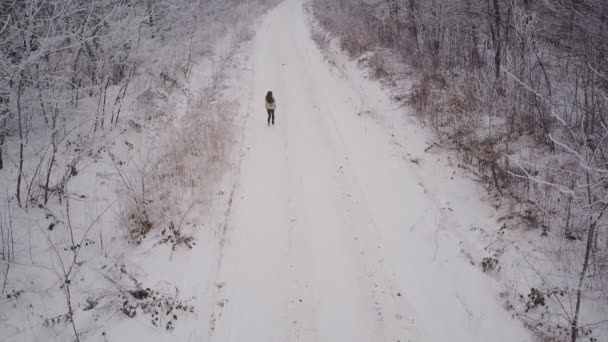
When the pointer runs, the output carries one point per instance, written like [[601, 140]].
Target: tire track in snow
[[218, 298]]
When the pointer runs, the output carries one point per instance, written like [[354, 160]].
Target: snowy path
[[332, 235]]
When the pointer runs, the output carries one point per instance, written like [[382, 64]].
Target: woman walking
[[271, 105]]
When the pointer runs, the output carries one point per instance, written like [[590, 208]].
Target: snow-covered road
[[333, 234]]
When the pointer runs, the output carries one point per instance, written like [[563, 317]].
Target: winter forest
[[437, 171], [519, 89]]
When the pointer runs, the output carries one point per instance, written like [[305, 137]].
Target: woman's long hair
[[269, 97]]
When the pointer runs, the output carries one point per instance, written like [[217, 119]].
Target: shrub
[[489, 264], [535, 299]]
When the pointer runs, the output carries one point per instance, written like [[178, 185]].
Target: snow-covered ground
[[342, 228], [335, 224]]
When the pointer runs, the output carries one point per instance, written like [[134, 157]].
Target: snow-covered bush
[[112, 128]]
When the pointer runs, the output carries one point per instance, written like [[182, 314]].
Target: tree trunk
[[581, 280], [19, 90], [121, 98], [497, 57], [103, 106], [414, 25], [50, 168], [588, 251], [1, 145]]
